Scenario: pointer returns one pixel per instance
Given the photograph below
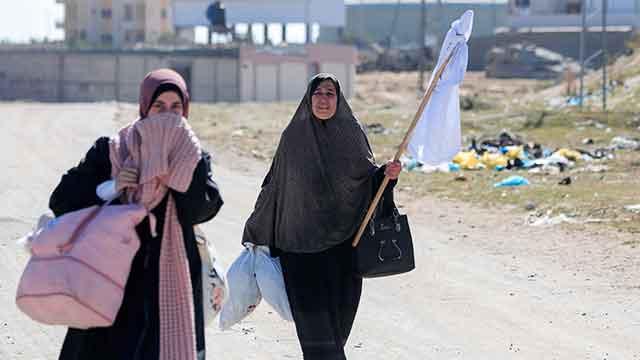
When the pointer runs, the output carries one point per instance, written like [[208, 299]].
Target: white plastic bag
[[214, 291], [252, 276], [25, 241], [244, 295], [271, 282]]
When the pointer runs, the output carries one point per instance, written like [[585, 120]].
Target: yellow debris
[[467, 160], [515, 152], [569, 154], [493, 160]]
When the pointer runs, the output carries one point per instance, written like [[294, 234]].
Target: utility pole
[[495, 23], [307, 22], [583, 10], [605, 55], [422, 44], [636, 7]]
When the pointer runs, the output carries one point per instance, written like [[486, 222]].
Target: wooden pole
[[402, 148]]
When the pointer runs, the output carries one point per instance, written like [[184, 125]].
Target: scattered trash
[[587, 141], [565, 181], [238, 133], [530, 206], [569, 154], [410, 164], [512, 181], [460, 178], [625, 143], [377, 128], [633, 208], [466, 103], [594, 168], [453, 167], [493, 160], [468, 160], [258, 155], [551, 221]]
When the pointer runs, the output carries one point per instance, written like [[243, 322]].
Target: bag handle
[[68, 245]]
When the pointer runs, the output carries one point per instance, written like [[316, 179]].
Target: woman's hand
[[128, 178], [393, 169]]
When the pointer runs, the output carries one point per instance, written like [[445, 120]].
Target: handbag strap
[[68, 245]]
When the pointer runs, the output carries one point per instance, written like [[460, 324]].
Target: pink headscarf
[[166, 152], [153, 81]]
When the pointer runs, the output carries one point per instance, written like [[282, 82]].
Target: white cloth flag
[[437, 137]]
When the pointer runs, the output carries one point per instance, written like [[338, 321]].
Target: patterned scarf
[[166, 152]]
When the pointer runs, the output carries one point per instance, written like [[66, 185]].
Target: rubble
[[633, 208], [625, 143], [527, 61]]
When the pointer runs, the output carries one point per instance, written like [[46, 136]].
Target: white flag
[[437, 137]]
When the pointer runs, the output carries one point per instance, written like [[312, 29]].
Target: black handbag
[[386, 246]]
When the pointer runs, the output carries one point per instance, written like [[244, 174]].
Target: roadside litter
[[512, 181], [377, 128], [548, 220], [633, 208], [508, 152], [625, 143]]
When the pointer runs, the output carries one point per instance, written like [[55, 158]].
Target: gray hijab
[[319, 185]]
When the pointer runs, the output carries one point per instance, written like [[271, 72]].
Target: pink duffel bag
[[79, 266]]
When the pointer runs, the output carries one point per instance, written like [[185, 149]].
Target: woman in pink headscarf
[[156, 161]]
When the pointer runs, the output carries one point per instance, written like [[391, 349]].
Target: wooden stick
[[402, 148]]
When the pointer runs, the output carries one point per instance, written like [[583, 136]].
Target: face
[[168, 101], [324, 100]]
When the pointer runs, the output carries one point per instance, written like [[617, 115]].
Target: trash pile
[[526, 60], [507, 152]]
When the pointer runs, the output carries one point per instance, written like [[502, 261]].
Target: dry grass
[[253, 130]]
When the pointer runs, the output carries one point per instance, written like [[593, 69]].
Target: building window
[[128, 12], [106, 38], [106, 13], [132, 36], [574, 7], [140, 12], [521, 8], [163, 13], [83, 35]]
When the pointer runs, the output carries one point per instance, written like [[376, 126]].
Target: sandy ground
[[485, 287]]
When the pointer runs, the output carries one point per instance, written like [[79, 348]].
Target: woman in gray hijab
[[312, 201]]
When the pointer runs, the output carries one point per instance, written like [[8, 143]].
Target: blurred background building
[[277, 45]]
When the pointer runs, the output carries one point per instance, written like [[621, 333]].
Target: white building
[[567, 13]]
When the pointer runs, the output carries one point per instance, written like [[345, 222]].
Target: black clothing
[[324, 294], [135, 333]]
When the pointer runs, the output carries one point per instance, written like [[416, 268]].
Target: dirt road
[[486, 286]]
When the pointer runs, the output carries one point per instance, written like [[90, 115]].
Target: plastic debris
[[512, 181], [565, 181], [633, 208], [551, 221], [624, 143], [569, 154], [468, 160], [493, 160]]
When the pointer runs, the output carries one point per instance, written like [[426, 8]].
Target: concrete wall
[[293, 80], [276, 76], [30, 77], [212, 75], [107, 76]]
